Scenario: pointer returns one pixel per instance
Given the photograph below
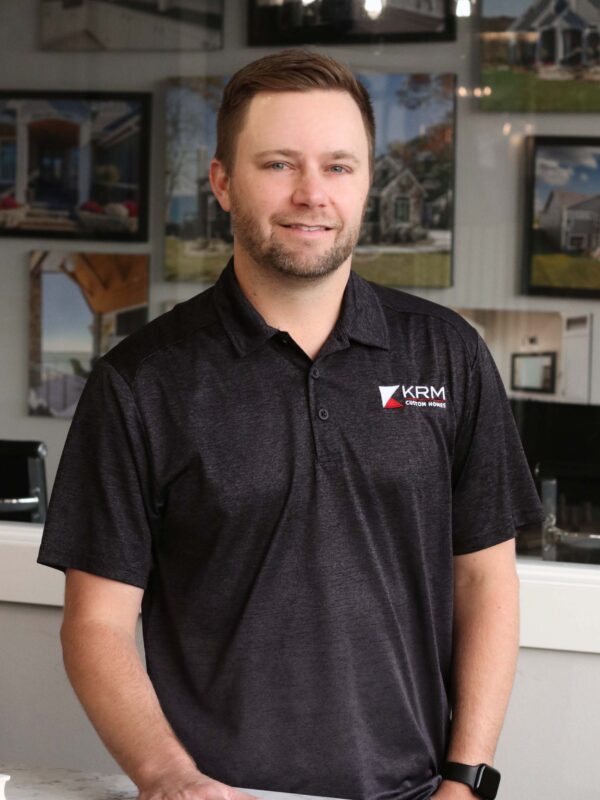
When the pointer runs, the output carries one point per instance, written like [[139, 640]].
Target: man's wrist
[[178, 767], [453, 790]]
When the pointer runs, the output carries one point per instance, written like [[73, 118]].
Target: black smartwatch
[[483, 779]]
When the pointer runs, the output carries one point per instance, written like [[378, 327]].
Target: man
[[310, 482]]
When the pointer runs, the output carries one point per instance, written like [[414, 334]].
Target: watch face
[[487, 781]]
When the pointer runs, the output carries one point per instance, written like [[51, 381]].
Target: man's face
[[300, 181]]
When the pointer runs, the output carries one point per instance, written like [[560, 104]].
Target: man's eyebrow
[[336, 155]]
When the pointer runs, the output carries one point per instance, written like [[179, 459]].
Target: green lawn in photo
[[183, 264], [430, 269], [411, 270], [559, 270], [519, 90]]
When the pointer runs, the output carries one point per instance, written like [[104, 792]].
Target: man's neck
[[306, 309]]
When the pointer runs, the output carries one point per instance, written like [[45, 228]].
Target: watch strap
[[463, 773], [481, 778]]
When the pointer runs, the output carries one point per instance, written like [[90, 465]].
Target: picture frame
[[81, 304], [147, 26], [539, 56], [406, 237], [75, 165], [533, 372], [561, 243], [290, 22]]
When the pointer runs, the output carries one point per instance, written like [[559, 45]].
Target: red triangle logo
[[391, 403]]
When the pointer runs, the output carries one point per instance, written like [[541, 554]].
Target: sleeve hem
[[500, 533], [64, 562]]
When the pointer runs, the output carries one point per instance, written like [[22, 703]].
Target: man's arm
[[104, 667], [486, 646]]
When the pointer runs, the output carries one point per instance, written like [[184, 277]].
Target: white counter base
[[560, 603]]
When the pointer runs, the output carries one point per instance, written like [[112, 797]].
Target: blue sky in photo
[[198, 129], [66, 317], [504, 8], [572, 169], [393, 121]]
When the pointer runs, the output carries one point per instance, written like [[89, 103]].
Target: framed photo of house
[[533, 372], [293, 22], [562, 234], [406, 236], [540, 55], [141, 25], [75, 165], [81, 305]]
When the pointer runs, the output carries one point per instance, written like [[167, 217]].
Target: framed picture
[[150, 25], [198, 237], [538, 351], [294, 22], [533, 372], [540, 55], [74, 165], [406, 236], [562, 233], [81, 305]]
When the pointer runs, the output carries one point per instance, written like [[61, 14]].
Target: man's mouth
[[297, 226]]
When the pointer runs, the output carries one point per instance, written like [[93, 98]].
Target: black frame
[[257, 37], [531, 145], [515, 357], [145, 103]]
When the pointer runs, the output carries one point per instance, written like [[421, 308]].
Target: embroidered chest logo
[[419, 396]]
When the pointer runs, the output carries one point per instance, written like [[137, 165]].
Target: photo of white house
[[132, 24], [565, 232], [541, 56], [72, 166]]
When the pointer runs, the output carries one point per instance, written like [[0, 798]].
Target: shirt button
[[314, 373], [323, 413]]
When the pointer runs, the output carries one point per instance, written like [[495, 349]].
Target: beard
[[270, 253]]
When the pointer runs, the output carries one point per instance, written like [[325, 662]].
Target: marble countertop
[[28, 783]]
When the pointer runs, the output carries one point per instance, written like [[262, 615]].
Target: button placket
[[319, 411]]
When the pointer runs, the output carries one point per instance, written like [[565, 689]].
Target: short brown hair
[[292, 70]]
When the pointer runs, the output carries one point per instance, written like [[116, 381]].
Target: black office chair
[[23, 496]]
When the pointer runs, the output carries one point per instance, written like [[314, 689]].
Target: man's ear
[[219, 183]]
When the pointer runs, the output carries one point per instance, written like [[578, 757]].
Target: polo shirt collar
[[361, 319]]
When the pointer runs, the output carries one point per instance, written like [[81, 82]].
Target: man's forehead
[[321, 112], [328, 104]]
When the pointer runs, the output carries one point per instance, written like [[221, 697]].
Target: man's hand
[[192, 785], [452, 790]]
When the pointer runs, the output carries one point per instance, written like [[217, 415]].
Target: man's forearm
[[486, 646], [111, 683]]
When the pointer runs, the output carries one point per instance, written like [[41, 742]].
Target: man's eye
[[338, 169], [277, 166]]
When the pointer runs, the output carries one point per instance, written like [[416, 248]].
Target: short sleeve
[[493, 491], [101, 513]]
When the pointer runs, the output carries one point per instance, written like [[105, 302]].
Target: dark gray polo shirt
[[294, 523]]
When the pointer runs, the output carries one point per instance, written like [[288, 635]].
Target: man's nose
[[309, 189]]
